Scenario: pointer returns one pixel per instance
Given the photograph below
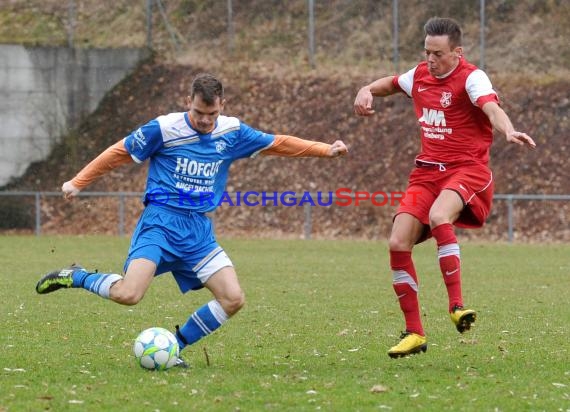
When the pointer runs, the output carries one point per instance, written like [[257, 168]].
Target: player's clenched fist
[[338, 148], [69, 190], [363, 102]]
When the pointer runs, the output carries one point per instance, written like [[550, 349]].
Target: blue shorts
[[181, 242]]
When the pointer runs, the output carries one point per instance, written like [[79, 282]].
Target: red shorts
[[473, 183]]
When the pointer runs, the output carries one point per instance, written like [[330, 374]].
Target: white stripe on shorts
[[215, 260]]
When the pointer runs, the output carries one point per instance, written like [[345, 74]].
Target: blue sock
[[98, 283], [202, 322]]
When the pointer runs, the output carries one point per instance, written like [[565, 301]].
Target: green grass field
[[319, 318]]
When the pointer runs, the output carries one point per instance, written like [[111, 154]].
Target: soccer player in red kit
[[457, 110]]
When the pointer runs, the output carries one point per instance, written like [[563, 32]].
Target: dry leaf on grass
[[379, 389]]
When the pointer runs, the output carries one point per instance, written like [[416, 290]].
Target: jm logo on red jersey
[[433, 117]]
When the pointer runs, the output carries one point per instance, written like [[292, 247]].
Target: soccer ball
[[156, 348]]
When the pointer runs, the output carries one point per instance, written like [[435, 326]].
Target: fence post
[[121, 214], [308, 221], [149, 24], [482, 34], [395, 35], [312, 33], [510, 218], [38, 215], [231, 31], [71, 21]]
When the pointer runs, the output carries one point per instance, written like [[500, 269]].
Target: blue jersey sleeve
[[251, 141], [145, 141]]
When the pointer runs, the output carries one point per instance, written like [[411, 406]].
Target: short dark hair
[[442, 26], [208, 87]]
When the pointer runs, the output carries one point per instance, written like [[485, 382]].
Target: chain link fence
[[158, 8], [387, 34], [152, 5]]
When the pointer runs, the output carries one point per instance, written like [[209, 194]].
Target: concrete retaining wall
[[44, 92]]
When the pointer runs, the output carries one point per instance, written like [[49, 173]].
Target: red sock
[[405, 285], [449, 262]]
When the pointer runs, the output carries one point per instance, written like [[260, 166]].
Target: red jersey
[[454, 128]]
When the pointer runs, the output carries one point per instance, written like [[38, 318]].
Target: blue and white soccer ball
[[156, 349]]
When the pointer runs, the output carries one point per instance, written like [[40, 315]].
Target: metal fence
[[150, 4], [158, 6], [307, 207]]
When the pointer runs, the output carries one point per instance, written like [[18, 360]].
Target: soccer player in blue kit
[[190, 154]]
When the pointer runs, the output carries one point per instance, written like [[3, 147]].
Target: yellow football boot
[[462, 318], [410, 344]]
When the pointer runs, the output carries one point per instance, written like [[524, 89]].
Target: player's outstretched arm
[[291, 146], [365, 97], [502, 123], [111, 158]]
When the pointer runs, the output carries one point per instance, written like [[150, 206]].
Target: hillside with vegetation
[[271, 85]]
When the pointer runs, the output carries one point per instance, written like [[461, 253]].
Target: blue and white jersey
[[189, 170]]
